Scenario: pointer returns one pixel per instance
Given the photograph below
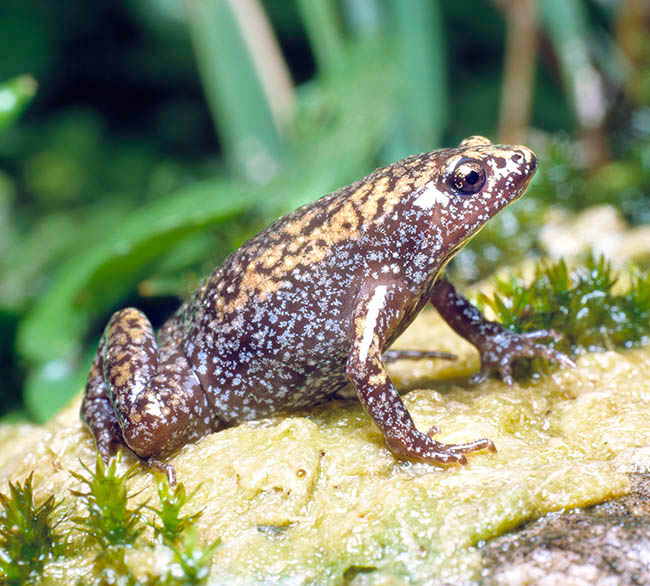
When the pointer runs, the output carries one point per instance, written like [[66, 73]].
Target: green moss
[[170, 526], [116, 528], [28, 536], [580, 304], [111, 568], [192, 559], [109, 521]]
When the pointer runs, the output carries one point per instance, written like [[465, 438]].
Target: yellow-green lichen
[[317, 497]]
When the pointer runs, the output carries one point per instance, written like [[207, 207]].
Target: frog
[[311, 305]]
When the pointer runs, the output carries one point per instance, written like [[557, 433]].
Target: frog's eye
[[468, 177]]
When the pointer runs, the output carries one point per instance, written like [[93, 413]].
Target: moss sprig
[[581, 304], [169, 525], [193, 560], [28, 536], [110, 521], [113, 570], [114, 526]]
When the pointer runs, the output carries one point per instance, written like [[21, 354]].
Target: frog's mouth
[[519, 194], [456, 250], [532, 164]]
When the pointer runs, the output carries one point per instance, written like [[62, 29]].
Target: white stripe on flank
[[374, 306]]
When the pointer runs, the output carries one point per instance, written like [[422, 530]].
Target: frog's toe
[[506, 373], [445, 455], [455, 453], [542, 335], [481, 375], [167, 469], [395, 355], [462, 460], [473, 446], [562, 358], [549, 353], [433, 430]]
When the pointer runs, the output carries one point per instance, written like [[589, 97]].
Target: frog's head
[[473, 183]]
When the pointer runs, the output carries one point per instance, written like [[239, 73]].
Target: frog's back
[[273, 320], [304, 239]]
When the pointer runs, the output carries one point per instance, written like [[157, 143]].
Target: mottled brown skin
[[309, 305]]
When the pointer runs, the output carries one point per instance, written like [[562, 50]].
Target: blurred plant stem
[[245, 81], [267, 58], [632, 29], [519, 69], [323, 27], [567, 26], [364, 17], [423, 100], [15, 95]]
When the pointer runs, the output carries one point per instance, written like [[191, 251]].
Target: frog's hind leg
[[395, 355], [158, 400]]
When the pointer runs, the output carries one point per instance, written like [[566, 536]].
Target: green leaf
[[52, 237], [567, 24], [342, 129], [422, 117], [50, 335]]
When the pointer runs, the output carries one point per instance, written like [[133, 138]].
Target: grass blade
[[323, 26], [240, 108], [424, 97]]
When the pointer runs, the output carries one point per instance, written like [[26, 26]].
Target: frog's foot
[[499, 350], [395, 355], [422, 447], [167, 469]]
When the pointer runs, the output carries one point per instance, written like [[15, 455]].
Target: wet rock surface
[[606, 545]]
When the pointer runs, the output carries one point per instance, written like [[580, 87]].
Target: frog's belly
[[251, 366]]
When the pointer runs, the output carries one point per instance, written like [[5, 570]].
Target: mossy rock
[[315, 497]]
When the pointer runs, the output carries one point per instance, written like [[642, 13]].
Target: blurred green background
[[141, 141]]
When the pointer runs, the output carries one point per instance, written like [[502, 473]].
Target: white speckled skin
[[309, 305]]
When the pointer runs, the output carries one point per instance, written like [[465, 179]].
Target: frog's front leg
[[147, 398], [498, 347], [376, 315]]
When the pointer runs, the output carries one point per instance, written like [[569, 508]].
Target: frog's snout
[[526, 158], [522, 164]]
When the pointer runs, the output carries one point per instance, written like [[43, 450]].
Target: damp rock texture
[[604, 545]]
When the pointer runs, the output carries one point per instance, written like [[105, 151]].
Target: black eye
[[472, 178], [468, 177]]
